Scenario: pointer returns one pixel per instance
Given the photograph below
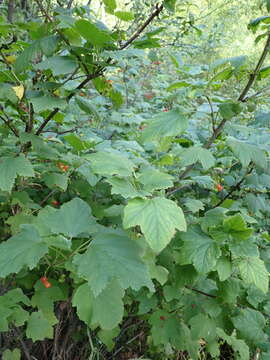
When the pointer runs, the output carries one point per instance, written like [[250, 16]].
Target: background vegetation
[[134, 179]]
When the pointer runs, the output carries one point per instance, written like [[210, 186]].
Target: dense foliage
[[134, 183]]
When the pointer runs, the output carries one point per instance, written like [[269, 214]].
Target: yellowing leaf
[[19, 91], [11, 59]]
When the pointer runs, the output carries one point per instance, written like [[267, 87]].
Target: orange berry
[[219, 187]]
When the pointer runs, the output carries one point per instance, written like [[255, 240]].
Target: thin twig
[[142, 27], [59, 32], [235, 187], [8, 123], [221, 125], [26, 352], [69, 4], [255, 73], [201, 292], [55, 111], [212, 112], [207, 145]]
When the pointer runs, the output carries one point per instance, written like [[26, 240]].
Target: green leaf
[[87, 106], [268, 5], [54, 180], [254, 24], [243, 248], [247, 153], [14, 354], [158, 219], [44, 299], [229, 290], [197, 153], [24, 249], [253, 271], [92, 33], [170, 5], [171, 123], [223, 75], [264, 72], [153, 179], [72, 219], [10, 168], [250, 324], [203, 327], [178, 85], [239, 346], [236, 226], [105, 310], [229, 109], [125, 188], [199, 250], [46, 102], [107, 337], [108, 163], [110, 6], [38, 327], [167, 329], [77, 143], [11, 310], [124, 15], [88, 173], [111, 255], [46, 45], [194, 205], [7, 93], [59, 65], [224, 268]]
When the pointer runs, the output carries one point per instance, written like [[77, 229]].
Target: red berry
[[162, 318], [45, 282], [219, 187], [149, 96], [55, 203], [166, 109]]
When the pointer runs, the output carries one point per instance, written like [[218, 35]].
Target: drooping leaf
[[197, 154], [250, 323], [46, 102], [72, 219], [14, 354], [171, 123], [199, 250], [110, 5], [38, 327], [247, 152], [112, 255], [54, 180], [46, 45], [59, 65], [254, 24], [229, 109], [92, 33], [124, 15], [253, 271], [107, 163], [23, 249], [239, 346], [10, 168], [125, 188], [158, 218], [153, 179], [105, 310]]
